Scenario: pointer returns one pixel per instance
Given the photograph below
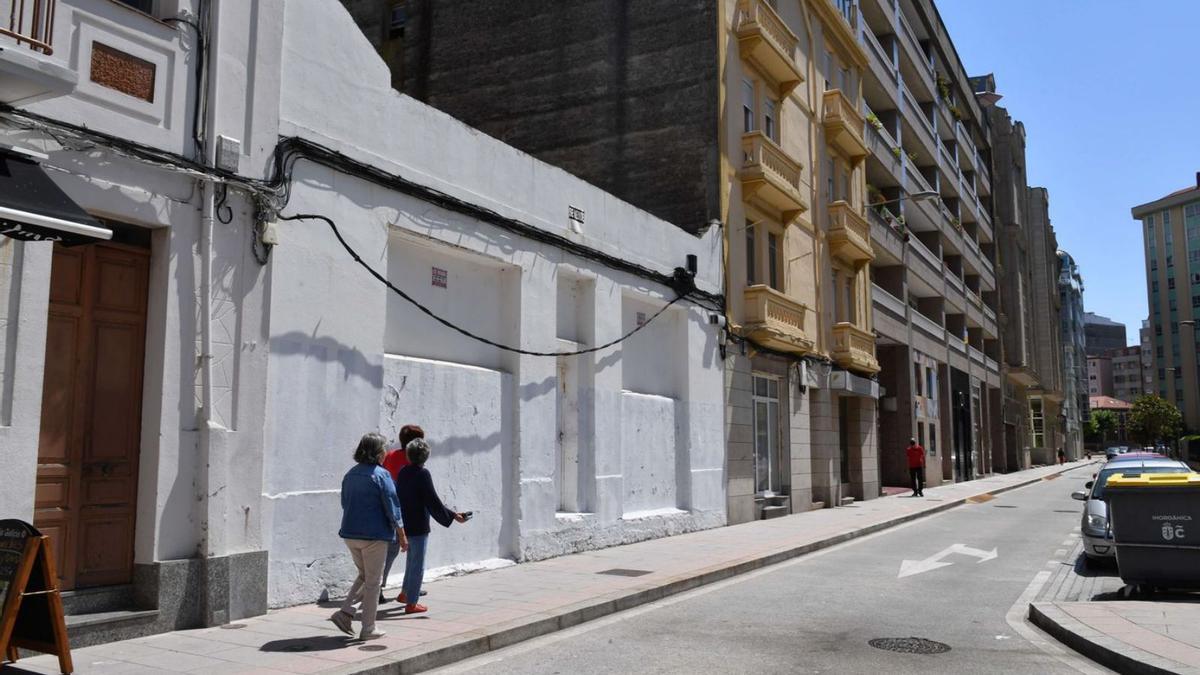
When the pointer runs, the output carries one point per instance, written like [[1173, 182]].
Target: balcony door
[[91, 411], [768, 460]]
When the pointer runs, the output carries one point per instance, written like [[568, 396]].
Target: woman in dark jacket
[[418, 502], [370, 521]]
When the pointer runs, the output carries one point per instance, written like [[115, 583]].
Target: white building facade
[[188, 456]]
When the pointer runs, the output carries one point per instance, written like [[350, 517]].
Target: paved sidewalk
[[472, 614], [1128, 636]]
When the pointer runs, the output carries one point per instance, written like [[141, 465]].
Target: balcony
[[854, 348], [765, 41], [1023, 376], [849, 233], [775, 320], [843, 125], [770, 176], [27, 73]]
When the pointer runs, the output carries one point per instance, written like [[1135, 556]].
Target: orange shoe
[[415, 609], [402, 598]]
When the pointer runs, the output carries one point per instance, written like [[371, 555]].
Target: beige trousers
[[369, 556]]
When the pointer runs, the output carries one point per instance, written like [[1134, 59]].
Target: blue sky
[[1109, 94]]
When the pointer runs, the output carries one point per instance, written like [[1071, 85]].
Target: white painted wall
[[343, 348]]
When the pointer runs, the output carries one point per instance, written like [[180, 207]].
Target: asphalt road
[[816, 614]]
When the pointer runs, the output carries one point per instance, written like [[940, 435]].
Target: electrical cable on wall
[[463, 331]]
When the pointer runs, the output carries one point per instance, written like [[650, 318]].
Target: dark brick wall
[[621, 94]]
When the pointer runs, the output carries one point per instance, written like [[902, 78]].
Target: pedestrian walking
[[419, 502], [1062, 456], [395, 460], [370, 521], [916, 467]]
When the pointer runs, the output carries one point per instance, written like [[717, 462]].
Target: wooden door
[[91, 411]]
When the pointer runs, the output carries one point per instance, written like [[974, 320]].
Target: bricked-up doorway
[[91, 410]]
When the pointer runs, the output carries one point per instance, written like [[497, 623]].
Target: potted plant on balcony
[[896, 152], [874, 121], [943, 86]]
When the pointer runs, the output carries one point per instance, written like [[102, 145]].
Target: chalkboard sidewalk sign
[[31, 613]]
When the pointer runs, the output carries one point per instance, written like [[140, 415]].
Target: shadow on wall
[[329, 350]]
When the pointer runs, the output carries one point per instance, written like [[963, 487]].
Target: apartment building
[[1075, 380], [1028, 260], [1100, 375], [742, 115], [1146, 335], [933, 277], [1128, 373], [1103, 334], [1171, 236]]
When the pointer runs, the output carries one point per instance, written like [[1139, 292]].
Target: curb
[[449, 650], [1107, 651]]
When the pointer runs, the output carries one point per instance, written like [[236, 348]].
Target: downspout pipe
[[211, 468]]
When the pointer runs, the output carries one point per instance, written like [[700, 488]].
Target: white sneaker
[[342, 621], [373, 634]]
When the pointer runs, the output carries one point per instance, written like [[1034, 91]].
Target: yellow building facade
[[802, 406]]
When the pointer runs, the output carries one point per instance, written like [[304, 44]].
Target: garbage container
[[1155, 520]]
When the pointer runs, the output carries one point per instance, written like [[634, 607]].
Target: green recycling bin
[[1155, 520]]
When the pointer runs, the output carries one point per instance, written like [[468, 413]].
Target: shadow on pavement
[[1096, 568], [317, 643]]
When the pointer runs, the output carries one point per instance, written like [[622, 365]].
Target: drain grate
[[372, 648], [910, 645], [233, 626], [620, 572], [1003, 506], [1064, 511]]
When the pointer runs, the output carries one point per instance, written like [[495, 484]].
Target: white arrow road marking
[[910, 567]]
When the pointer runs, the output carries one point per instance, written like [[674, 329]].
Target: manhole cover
[[233, 626], [372, 648], [910, 645], [619, 572], [1003, 506]]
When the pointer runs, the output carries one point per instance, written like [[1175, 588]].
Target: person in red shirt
[[916, 467], [393, 461]]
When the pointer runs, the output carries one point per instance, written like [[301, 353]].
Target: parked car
[[1113, 451], [1097, 537]]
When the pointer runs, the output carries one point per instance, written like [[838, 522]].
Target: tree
[[1102, 423], [1154, 419]]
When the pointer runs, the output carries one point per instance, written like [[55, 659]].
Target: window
[[828, 70], [932, 449], [851, 311], [830, 172], [1037, 423], [1191, 210], [1166, 218], [921, 433], [1150, 221], [930, 386], [398, 19], [748, 105], [1154, 285], [1195, 301], [1171, 283], [766, 435], [146, 6], [773, 261], [917, 379], [770, 128], [751, 274], [1170, 261]]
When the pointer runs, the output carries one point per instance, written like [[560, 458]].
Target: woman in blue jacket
[[418, 503], [370, 521]]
